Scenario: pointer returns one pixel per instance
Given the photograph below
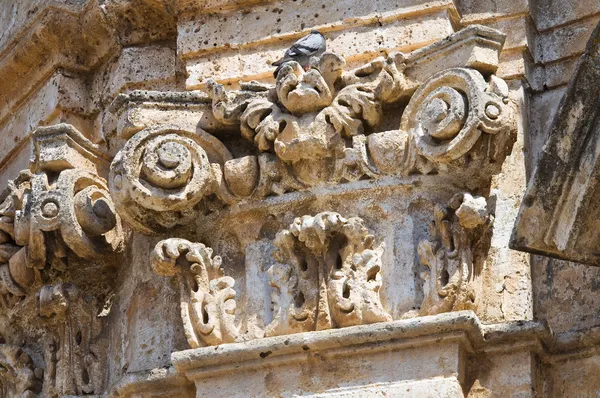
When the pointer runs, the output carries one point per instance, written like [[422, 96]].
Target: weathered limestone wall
[[501, 323]]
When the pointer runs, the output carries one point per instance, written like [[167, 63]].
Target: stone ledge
[[463, 326], [399, 357]]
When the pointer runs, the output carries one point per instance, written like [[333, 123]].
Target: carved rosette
[[459, 235], [207, 296], [329, 276], [161, 174]]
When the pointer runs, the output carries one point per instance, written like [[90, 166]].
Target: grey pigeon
[[311, 45]]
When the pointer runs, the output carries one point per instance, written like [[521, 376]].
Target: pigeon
[[311, 45]]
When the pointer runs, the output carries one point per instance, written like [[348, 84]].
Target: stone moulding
[[361, 351], [559, 215], [317, 127]]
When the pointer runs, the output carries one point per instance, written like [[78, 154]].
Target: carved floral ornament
[[52, 216], [327, 274], [314, 128]]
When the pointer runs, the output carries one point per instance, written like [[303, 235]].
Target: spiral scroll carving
[[448, 113], [159, 176]]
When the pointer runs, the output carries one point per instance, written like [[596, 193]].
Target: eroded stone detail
[[18, 378], [47, 215], [454, 253], [328, 276], [74, 352], [207, 295], [53, 218], [161, 174], [320, 126], [324, 124]]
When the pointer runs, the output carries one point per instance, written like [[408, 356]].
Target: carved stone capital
[[318, 127]]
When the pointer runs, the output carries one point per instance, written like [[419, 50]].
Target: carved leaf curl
[[207, 296]]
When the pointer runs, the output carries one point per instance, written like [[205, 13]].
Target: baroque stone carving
[[55, 210], [162, 173], [321, 126], [74, 353], [323, 123], [53, 218], [328, 276], [207, 296], [453, 254]]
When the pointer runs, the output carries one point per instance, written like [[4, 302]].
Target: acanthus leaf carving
[[321, 126], [453, 254], [328, 275], [207, 295]]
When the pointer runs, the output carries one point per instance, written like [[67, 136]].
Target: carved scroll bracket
[[322, 127], [58, 209], [52, 216]]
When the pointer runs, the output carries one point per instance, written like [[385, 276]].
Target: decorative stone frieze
[[317, 190], [319, 127], [328, 277]]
